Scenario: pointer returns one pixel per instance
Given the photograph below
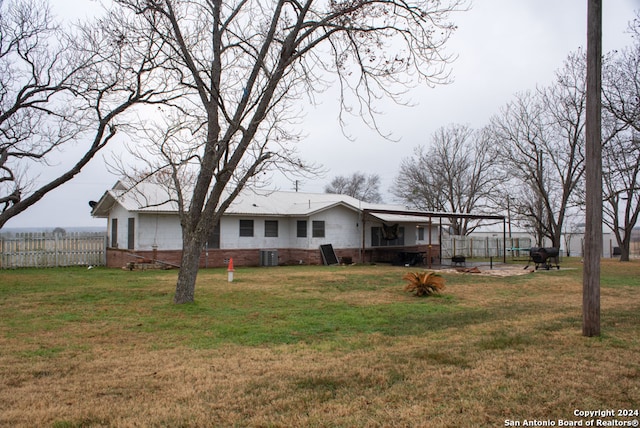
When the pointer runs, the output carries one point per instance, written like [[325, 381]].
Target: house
[[266, 228]]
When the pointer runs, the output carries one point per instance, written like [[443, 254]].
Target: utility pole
[[593, 165]]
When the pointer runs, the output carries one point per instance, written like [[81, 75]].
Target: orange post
[[230, 271]]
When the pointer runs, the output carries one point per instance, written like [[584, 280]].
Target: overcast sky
[[502, 47]]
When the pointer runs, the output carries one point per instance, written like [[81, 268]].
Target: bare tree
[[539, 140], [358, 185], [243, 66], [621, 155], [455, 174], [621, 84], [58, 88], [621, 188]]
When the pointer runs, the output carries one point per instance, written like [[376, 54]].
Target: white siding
[[342, 230], [159, 230], [230, 233], [294, 241], [122, 215], [435, 234]]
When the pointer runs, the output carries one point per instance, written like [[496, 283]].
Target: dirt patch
[[500, 271]]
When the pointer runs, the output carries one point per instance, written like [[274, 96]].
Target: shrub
[[423, 283]]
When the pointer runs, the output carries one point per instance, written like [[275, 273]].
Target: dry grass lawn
[[313, 347]]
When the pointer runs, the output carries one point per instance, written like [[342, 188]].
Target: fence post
[[105, 245], [486, 246], [55, 249]]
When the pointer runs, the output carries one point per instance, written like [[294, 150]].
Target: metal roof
[[383, 213], [154, 198]]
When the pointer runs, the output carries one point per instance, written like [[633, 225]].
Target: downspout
[[504, 239], [429, 247], [362, 251], [440, 241]]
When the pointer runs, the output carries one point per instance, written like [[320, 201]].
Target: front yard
[[313, 346]]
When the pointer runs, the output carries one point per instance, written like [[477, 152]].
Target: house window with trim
[[301, 229], [420, 233], [317, 229], [246, 228], [271, 228], [131, 233], [213, 241], [378, 238], [114, 233]]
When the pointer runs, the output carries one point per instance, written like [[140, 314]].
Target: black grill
[[543, 257]]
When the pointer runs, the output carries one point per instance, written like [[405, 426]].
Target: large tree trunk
[[186, 285], [624, 254], [625, 247]]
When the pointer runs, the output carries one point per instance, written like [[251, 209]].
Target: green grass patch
[[140, 302], [306, 305]]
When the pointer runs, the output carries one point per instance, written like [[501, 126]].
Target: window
[[131, 233], [246, 227], [214, 238], [317, 229], [302, 228], [271, 228], [377, 238], [420, 233], [114, 233]]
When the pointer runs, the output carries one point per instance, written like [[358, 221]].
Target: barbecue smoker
[[542, 257]]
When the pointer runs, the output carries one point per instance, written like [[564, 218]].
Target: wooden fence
[[53, 250], [484, 247]]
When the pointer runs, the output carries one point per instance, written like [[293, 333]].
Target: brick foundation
[[219, 258], [117, 258]]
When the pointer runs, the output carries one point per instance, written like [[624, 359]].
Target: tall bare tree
[[243, 65], [61, 88], [621, 84], [358, 185], [621, 188], [621, 155], [454, 174], [539, 140]]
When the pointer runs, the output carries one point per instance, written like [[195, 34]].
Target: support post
[[363, 250], [504, 240], [429, 247], [593, 173]]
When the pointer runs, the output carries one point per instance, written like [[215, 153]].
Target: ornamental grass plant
[[423, 283]]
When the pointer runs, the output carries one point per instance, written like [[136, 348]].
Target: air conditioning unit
[[268, 258]]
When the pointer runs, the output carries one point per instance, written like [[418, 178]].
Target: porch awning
[[400, 218]]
